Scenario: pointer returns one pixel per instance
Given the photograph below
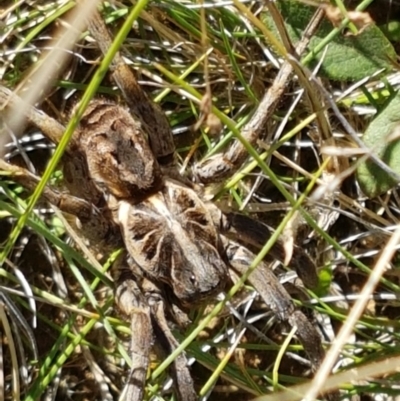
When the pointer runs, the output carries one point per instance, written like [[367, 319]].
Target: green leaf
[[345, 58], [392, 31], [371, 178]]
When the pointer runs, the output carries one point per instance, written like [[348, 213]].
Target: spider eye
[[193, 280]]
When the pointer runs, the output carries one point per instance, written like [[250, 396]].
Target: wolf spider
[[180, 249]]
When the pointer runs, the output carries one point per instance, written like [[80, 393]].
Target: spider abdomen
[[118, 155]]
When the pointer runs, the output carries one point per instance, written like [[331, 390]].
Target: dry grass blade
[[354, 315], [39, 81]]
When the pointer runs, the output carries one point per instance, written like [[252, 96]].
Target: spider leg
[[223, 165], [76, 174], [97, 226], [49, 126], [154, 295], [277, 298], [133, 304], [183, 382], [248, 231], [144, 109]]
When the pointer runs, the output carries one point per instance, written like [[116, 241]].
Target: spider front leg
[[132, 304], [183, 382], [140, 305]]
